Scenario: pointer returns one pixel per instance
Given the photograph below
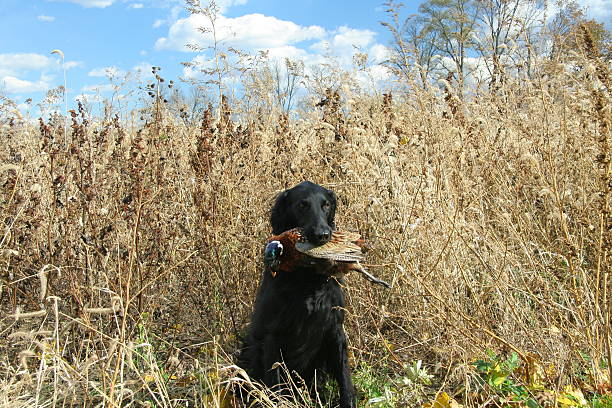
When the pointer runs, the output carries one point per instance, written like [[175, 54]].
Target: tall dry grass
[[131, 250]]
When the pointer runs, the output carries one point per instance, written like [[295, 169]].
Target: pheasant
[[344, 250]]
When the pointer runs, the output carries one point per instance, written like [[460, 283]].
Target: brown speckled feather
[[343, 247]]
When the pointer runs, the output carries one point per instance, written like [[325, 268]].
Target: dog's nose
[[323, 236]]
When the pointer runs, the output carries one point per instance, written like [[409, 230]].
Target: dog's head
[[308, 206]]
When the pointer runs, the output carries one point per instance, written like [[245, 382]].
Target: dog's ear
[[280, 214], [332, 211]]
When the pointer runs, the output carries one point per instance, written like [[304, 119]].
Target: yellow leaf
[[572, 397], [497, 376], [564, 401], [148, 378], [533, 371], [443, 401]]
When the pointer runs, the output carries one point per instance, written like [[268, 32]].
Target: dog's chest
[[322, 302], [312, 318]]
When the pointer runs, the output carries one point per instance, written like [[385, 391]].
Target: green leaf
[[497, 376], [531, 403]]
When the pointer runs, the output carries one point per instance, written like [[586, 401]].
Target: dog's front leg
[[341, 371], [272, 363]]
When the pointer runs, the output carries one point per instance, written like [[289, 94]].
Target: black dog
[[298, 315]]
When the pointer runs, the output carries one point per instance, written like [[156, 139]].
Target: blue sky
[[99, 37], [116, 36]]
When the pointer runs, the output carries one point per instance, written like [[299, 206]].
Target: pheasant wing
[[345, 236], [345, 252], [342, 247]]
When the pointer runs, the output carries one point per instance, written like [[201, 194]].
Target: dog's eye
[[326, 206]]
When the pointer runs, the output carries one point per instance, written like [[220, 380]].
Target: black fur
[[298, 315]]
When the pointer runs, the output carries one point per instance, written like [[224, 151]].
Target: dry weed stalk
[[491, 224], [600, 94]]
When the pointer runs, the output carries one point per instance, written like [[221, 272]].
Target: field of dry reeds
[[131, 245]]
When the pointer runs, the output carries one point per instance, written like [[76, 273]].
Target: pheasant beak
[[273, 273]]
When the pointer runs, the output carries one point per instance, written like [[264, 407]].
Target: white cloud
[[378, 53], [374, 77], [600, 10], [343, 42], [24, 107], [143, 70], [45, 18], [104, 72], [225, 4], [200, 62], [172, 17], [136, 6], [287, 51], [91, 3], [13, 64], [380, 73], [17, 69], [18, 63], [73, 64], [280, 38], [347, 37], [88, 98], [14, 85], [98, 88], [251, 31]]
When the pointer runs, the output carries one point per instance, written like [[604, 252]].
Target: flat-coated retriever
[[298, 315]]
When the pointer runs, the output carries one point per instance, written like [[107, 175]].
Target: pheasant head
[[280, 252]]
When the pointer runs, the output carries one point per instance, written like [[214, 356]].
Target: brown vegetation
[[131, 251]]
